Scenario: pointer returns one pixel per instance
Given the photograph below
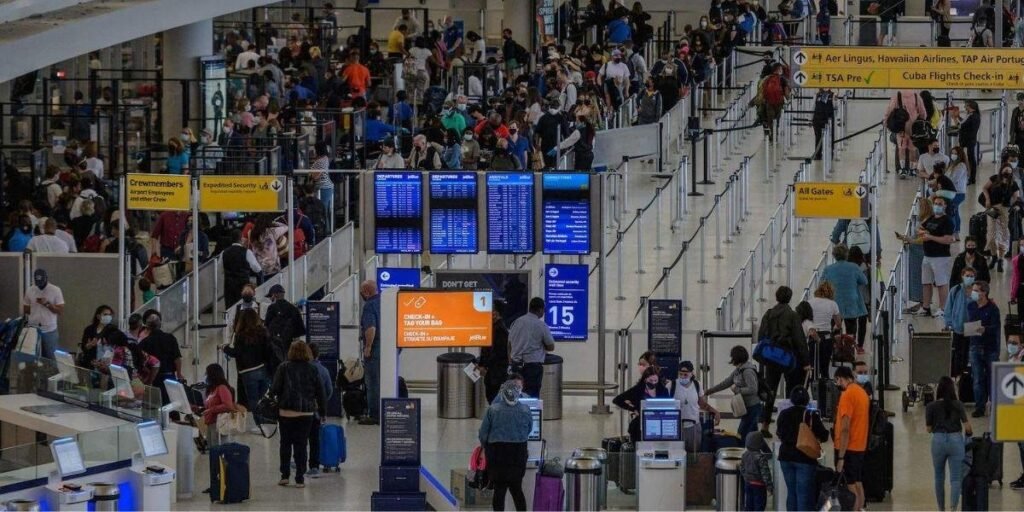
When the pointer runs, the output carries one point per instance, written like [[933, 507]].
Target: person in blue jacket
[[984, 348], [955, 316], [503, 435], [618, 28]]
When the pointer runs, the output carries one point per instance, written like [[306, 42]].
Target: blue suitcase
[[229, 473], [333, 450], [381, 501], [394, 479]]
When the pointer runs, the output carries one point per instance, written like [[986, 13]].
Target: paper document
[[973, 328], [471, 371]]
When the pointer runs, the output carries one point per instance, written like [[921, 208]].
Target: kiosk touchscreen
[[661, 456], [151, 482], [151, 439], [69, 462], [66, 367], [534, 446], [186, 455]]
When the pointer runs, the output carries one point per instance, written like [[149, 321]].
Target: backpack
[[763, 391], [93, 241], [522, 55], [897, 121], [314, 209], [41, 199], [858, 234], [978, 41], [921, 132], [648, 107], [877, 421], [772, 91]]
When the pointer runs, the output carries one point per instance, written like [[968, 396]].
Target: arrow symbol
[[800, 57], [275, 185], [1013, 384], [800, 77], [861, 192]]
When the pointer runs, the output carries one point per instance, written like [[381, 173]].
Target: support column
[[182, 48], [520, 17]]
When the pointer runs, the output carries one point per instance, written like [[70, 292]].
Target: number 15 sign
[[566, 299]]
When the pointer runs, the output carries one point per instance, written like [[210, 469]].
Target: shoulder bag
[[806, 441]]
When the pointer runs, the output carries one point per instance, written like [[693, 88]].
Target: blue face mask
[[968, 281], [975, 296], [685, 382], [863, 379], [939, 209]]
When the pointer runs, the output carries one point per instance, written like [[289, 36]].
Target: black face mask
[[247, 298], [971, 250], [935, 150], [648, 385]]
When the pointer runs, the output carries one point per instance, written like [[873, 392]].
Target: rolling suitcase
[[613, 448], [548, 494], [965, 386], [978, 227], [333, 450], [354, 403], [878, 480], [380, 501], [627, 468], [700, 479], [229, 473]]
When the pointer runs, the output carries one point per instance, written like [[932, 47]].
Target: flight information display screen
[[453, 213], [398, 212], [510, 228], [566, 213]]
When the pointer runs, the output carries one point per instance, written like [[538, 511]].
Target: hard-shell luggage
[[613, 448], [414, 501], [548, 494], [1011, 324], [333, 450], [354, 403], [627, 468], [700, 479], [229, 473], [965, 386], [985, 458], [978, 228], [828, 401], [878, 476]]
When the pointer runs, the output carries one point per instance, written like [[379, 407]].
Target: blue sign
[[397, 277], [510, 214], [400, 432], [323, 328], [566, 299], [398, 212], [453, 211], [566, 211]]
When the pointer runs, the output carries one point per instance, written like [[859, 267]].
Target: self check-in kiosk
[[151, 483], [534, 445], [68, 459], [661, 456], [186, 456]]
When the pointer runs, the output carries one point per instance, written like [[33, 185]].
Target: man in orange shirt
[[851, 434], [356, 75]]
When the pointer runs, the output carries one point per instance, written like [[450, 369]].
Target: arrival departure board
[[453, 213], [566, 213], [398, 212], [510, 228]]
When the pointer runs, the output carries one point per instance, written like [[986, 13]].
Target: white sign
[[1012, 386]]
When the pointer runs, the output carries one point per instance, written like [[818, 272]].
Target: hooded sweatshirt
[[782, 324], [756, 465]]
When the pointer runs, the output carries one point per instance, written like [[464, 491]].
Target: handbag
[[163, 276], [477, 478], [739, 407], [845, 349], [768, 352], [806, 441], [354, 370], [836, 496], [230, 423], [268, 407]]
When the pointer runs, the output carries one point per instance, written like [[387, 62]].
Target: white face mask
[[954, 157], [468, 136], [225, 130]]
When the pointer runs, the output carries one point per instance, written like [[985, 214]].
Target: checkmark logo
[[867, 79]]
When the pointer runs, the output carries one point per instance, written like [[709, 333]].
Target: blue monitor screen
[[661, 425], [453, 213], [566, 210], [398, 212], [510, 213]]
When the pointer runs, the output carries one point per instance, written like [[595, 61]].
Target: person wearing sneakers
[[1013, 343], [956, 315], [984, 345], [936, 234]]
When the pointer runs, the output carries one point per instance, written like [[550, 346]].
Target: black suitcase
[[828, 399], [978, 228], [229, 473], [878, 478], [627, 468], [1011, 325], [613, 448], [965, 386], [354, 403]]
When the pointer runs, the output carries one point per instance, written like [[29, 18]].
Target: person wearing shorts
[[936, 233], [851, 432]]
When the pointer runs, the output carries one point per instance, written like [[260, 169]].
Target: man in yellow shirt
[[396, 42]]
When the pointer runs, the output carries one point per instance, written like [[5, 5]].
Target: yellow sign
[[158, 192], [241, 194], [831, 200], [1008, 401], [865, 67]]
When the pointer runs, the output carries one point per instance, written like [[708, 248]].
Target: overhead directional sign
[[869, 67], [158, 192], [241, 194], [1008, 402], [832, 200]]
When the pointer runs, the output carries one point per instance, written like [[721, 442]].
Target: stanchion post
[[657, 218], [685, 275], [703, 245], [640, 241], [789, 239], [618, 265], [718, 228]]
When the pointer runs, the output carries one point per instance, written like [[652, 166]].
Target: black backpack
[[897, 121], [314, 209], [921, 132], [763, 391], [41, 199], [877, 421]]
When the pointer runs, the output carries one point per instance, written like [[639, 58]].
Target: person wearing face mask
[[43, 304], [451, 152], [863, 376], [615, 75], [518, 145], [936, 233], [958, 174], [648, 104], [999, 192], [451, 118], [692, 399], [503, 435], [552, 127], [968, 132], [89, 355], [983, 343], [240, 264], [208, 152], [926, 161], [743, 380], [424, 155], [470, 150], [971, 258], [255, 361], [504, 160], [649, 386], [163, 346], [389, 157], [581, 141]]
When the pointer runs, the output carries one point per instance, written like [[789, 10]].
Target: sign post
[[323, 328], [566, 297], [869, 67], [397, 277], [826, 200], [1008, 402], [665, 333]]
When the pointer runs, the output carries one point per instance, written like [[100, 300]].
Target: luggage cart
[[930, 358]]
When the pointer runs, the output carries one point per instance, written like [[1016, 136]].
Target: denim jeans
[[755, 497], [801, 485], [954, 212], [533, 378], [748, 422], [48, 342], [294, 439], [256, 384], [327, 197], [948, 448], [371, 375], [981, 368]]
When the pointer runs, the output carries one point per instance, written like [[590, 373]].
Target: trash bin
[[455, 394], [602, 456], [583, 483], [480, 398], [551, 387], [22, 506], [105, 496], [728, 480]]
